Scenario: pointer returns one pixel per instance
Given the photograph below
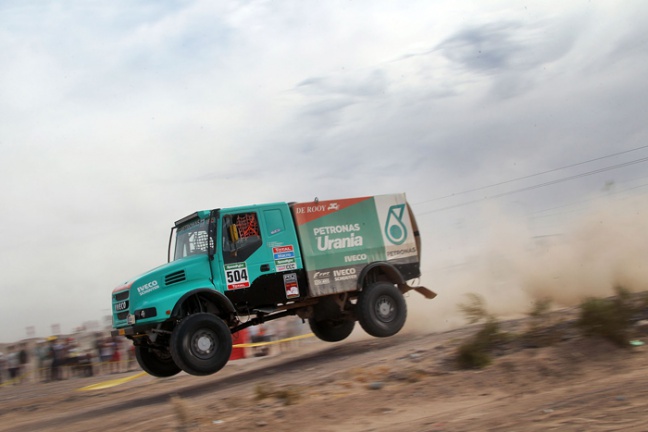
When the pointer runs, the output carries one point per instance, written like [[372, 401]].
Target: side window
[[274, 221], [241, 236]]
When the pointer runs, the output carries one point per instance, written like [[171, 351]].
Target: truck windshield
[[192, 238]]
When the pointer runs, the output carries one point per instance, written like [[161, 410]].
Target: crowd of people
[[13, 364], [58, 358]]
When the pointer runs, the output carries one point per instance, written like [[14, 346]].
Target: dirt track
[[405, 383]]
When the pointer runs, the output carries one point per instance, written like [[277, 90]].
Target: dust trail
[[598, 249]]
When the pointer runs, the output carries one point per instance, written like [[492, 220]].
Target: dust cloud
[[587, 254]]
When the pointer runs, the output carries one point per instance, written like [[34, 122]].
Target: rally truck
[[333, 263]]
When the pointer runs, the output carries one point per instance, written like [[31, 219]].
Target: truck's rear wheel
[[331, 330], [381, 309], [156, 362], [201, 344]]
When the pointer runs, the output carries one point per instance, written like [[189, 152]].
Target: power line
[[532, 175], [540, 185]]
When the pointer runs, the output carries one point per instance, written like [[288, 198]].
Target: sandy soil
[[409, 382]]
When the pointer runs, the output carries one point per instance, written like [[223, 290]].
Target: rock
[[376, 385]]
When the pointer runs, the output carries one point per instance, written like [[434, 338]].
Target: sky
[[118, 118]]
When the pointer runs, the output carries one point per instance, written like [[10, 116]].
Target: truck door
[[260, 261], [244, 257]]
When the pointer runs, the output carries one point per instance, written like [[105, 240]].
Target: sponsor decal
[[291, 285], [408, 251], [327, 238], [284, 257], [353, 258], [147, 288], [237, 276], [395, 229], [321, 278], [283, 252], [344, 274], [307, 212]]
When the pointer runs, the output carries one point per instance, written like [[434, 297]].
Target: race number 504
[[237, 276]]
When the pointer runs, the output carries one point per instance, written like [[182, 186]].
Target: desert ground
[[409, 382]]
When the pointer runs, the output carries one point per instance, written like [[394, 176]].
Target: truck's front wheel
[[381, 309], [201, 344], [155, 362]]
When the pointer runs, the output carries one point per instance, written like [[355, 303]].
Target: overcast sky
[[118, 118]]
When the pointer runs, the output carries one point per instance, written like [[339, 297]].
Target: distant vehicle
[[331, 262]]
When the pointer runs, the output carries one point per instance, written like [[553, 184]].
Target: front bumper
[[134, 330]]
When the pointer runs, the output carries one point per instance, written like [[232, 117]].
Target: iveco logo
[[121, 306], [148, 287]]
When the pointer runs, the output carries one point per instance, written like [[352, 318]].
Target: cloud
[[512, 53], [118, 119]]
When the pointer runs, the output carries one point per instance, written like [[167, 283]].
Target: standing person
[[13, 365], [3, 364], [131, 357], [38, 367], [55, 362], [107, 349], [48, 357], [58, 360], [115, 361], [64, 370], [23, 358], [98, 346]]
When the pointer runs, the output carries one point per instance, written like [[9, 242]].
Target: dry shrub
[[182, 412], [366, 374], [474, 310], [609, 318], [475, 353], [542, 330], [288, 395]]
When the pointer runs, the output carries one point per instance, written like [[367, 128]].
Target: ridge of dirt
[[404, 383]]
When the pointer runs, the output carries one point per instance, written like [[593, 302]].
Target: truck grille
[[175, 277], [121, 295]]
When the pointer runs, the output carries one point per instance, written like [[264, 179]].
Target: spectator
[[47, 351], [3, 365], [13, 365], [131, 364], [41, 352], [98, 346], [23, 358], [115, 361], [59, 357], [107, 351]]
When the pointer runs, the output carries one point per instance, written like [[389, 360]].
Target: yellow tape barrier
[[260, 344], [13, 381], [112, 383], [119, 381]]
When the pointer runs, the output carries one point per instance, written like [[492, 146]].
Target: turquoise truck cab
[[226, 264]]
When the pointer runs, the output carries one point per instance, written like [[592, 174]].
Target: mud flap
[[425, 292]]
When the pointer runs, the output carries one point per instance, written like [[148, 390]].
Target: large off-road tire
[[201, 344], [329, 323], [156, 362], [330, 330], [381, 309]]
